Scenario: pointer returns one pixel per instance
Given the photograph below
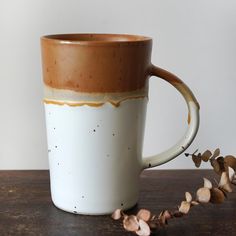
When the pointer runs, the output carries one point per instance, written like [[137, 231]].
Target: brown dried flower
[[225, 182], [217, 196], [231, 161], [144, 214], [197, 159], [203, 195], [206, 155], [184, 207], [131, 223], [144, 229], [142, 223], [116, 215]]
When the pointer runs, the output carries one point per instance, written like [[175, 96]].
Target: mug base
[[100, 213]]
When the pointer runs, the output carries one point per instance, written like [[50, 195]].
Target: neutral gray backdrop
[[194, 39]]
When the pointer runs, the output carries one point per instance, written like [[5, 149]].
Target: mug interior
[[96, 38]]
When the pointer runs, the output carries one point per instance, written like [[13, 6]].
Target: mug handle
[[193, 119]]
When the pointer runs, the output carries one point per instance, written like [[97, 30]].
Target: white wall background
[[194, 39]]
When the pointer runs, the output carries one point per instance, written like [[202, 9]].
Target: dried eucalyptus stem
[[144, 222]]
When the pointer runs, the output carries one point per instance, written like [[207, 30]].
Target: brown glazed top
[[96, 63]]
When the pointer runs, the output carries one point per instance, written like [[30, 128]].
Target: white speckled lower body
[[95, 155]]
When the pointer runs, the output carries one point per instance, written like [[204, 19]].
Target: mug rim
[[95, 38]]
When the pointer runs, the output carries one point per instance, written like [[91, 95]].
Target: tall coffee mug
[[96, 89]]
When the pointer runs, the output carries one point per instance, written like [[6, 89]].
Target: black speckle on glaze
[[113, 134], [122, 204], [58, 163], [82, 196], [74, 206], [54, 128], [108, 155], [94, 130], [129, 148], [49, 150], [98, 126], [75, 212], [56, 146], [149, 165]]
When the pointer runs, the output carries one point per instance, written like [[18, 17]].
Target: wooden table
[[26, 207]]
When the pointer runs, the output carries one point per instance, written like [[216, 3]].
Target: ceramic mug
[[96, 90]]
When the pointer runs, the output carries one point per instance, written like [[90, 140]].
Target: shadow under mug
[[96, 89]]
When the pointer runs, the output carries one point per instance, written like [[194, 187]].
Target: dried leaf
[[167, 215], [215, 166], [178, 214], [216, 153], [231, 173], [194, 203], [219, 165], [164, 216], [203, 195], [197, 159], [144, 214], [162, 220], [234, 180], [184, 207], [207, 183], [116, 215], [231, 161], [217, 196], [144, 229], [225, 182], [153, 217], [188, 197], [153, 225], [131, 223], [222, 164], [206, 155]]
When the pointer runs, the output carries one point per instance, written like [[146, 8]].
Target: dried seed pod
[[163, 217], [178, 214], [216, 153], [231, 173], [116, 215], [230, 161], [217, 196], [188, 197], [131, 223], [206, 155], [225, 183], [144, 229], [153, 225], [167, 215], [233, 181], [162, 220], [197, 159], [203, 195], [207, 183], [144, 214], [184, 207], [194, 203], [222, 164], [153, 217], [219, 165]]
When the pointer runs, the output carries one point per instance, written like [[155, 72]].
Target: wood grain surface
[[26, 207]]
